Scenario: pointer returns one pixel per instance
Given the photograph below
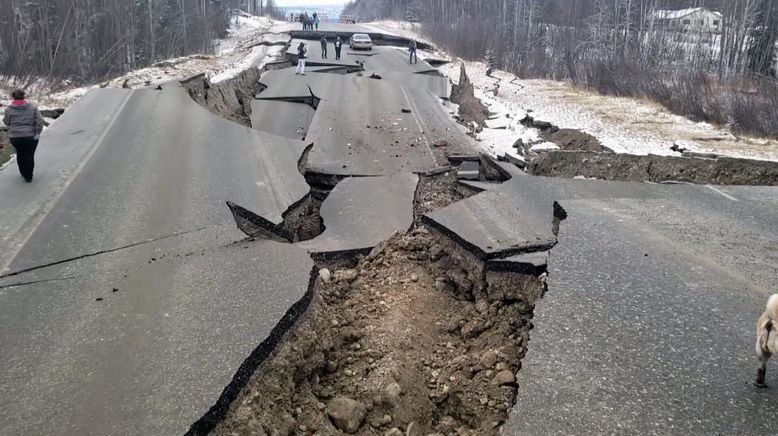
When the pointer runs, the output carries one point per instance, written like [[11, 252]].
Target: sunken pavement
[[132, 303]]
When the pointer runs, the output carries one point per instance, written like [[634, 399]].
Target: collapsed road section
[[135, 272]]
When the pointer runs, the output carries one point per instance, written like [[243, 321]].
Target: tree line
[[87, 40], [618, 47]]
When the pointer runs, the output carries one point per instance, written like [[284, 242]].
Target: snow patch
[[245, 46]]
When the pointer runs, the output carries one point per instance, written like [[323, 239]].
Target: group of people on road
[[302, 52], [310, 21], [338, 44], [25, 124]]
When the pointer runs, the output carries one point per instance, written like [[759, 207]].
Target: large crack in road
[[387, 286]]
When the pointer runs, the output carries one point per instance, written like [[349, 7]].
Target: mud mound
[[471, 110], [388, 346], [572, 140], [651, 168]]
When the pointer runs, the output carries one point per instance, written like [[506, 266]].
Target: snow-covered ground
[[239, 51], [625, 125]]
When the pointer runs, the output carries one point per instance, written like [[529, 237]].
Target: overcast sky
[[309, 2]]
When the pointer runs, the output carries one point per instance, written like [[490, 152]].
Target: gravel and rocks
[[385, 349]]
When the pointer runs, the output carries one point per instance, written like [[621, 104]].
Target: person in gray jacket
[[25, 124]]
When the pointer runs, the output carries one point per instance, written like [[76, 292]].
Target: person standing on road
[[324, 47], [25, 124], [301, 56], [412, 48], [338, 47]]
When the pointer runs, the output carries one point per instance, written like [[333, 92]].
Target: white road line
[[414, 111], [719, 191], [44, 212]]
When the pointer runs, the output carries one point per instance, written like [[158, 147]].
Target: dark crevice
[[256, 226], [98, 253], [430, 73], [35, 282], [311, 100], [216, 413]]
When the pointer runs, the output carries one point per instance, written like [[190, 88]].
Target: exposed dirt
[[392, 346], [230, 99], [571, 139], [626, 167], [471, 110], [436, 192]]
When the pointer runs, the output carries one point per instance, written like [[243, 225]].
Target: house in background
[[690, 20]]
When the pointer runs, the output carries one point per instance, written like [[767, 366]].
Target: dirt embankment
[[230, 99], [398, 344], [565, 139], [471, 109], [633, 168]]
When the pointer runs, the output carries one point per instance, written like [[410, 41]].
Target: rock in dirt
[[346, 414], [474, 328], [488, 359], [325, 275], [505, 378], [394, 432], [393, 391], [440, 143]]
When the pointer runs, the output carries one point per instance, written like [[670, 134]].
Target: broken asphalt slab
[[517, 216], [360, 212], [438, 85], [645, 328], [290, 120], [169, 165], [353, 135], [145, 340]]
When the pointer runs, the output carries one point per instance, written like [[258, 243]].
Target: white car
[[361, 41]]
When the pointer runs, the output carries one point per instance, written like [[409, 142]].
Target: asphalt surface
[[363, 211], [129, 300], [281, 118], [168, 166], [155, 355], [648, 324], [62, 150], [143, 212]]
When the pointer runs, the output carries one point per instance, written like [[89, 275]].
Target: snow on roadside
[[240, 50], [623, 124]]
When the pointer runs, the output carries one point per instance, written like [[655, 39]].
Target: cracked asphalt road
[[648, 324], [646, 328], [129, 301]]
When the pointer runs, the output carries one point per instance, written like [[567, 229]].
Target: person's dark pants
[[25, 155], [414, 58], [324, 51], [337, 53]]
